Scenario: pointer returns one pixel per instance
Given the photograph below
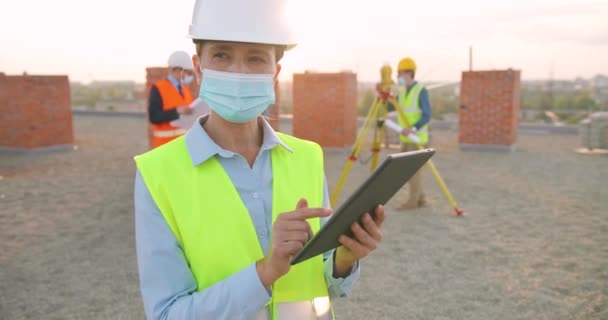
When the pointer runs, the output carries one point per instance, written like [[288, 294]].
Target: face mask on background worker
[[402, 81], [405, 81], [187, 79], [237, 97]]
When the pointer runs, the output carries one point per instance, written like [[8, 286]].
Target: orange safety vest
[[165, 132]]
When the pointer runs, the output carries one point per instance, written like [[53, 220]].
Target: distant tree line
[[87, 95], [579, 100]]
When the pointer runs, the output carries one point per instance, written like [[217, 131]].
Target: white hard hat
[[251, 21], [180, 59]]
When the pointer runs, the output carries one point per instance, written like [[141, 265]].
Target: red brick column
[[489, 114], [274, 111], [36, 112], [325, 108]]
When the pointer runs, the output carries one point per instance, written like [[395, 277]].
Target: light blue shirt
[[177, 84], [167, 284]]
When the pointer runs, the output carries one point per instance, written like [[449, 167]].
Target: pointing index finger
[[307, 213]]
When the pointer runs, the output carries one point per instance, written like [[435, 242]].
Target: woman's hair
[[279, 50]]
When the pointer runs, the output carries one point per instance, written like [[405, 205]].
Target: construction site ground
[[533, 243]]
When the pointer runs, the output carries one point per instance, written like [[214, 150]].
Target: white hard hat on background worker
[[180, 59]]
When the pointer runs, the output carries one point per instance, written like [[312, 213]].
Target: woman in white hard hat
[[221, 210]]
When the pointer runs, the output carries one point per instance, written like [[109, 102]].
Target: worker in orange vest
[[170, 98]]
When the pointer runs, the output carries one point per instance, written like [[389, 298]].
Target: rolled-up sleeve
[[168, 287], [425, 106]]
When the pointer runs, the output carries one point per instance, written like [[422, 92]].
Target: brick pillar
[[489, 114], [36, 112], [274, 111], [325, 108]]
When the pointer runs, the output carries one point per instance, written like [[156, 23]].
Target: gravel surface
[[533, 243]]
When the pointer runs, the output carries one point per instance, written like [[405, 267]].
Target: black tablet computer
[[382, 185]]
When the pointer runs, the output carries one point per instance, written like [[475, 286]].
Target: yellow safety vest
[[409, 103], [207, 216]]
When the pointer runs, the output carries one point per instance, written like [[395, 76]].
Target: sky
[[118, 39]]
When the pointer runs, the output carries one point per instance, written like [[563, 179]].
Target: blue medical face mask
[[402, 81], [237, 97]]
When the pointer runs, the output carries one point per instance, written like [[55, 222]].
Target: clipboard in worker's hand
[[199, 108], [381, 186]]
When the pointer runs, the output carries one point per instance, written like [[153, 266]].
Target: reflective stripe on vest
[[411, 110], [409, 103], [424, 129], [205, 213], [171, 100], [169, 133], [318, 308]]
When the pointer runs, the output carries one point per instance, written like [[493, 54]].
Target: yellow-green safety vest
[[409, 103], [207, 216]]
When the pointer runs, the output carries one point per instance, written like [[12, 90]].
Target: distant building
[[599, 90], [111, 84], [120, 105], [580, 83], [599, 82]]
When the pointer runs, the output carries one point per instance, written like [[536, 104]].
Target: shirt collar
[[201, 147], [413, 84], [408, 88], [173, 81]]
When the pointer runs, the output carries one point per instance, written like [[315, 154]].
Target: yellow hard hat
[[407, 64]]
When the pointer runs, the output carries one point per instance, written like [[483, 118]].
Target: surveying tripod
[[376, 117]]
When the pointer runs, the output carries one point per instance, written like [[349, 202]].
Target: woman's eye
[[257, 60], [220, 55]]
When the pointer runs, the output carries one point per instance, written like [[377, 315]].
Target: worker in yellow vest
[[413, 99], [221, 211], [169, 98]]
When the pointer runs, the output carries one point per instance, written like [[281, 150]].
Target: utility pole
[[470, 58], [551, 100]]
